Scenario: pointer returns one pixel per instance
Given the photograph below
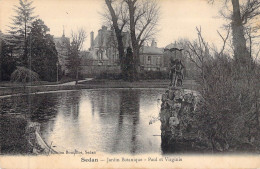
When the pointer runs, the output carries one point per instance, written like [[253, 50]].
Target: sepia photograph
[[129, 84]]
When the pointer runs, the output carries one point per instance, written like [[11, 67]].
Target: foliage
[[7, 61], [146, 75], [229, 117], [44, 56], [22, 74], [20, 28], [143, 75], [229, 114], [73, 61], [110, 76]]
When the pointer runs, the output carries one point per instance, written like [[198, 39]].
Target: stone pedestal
[[177, 110]]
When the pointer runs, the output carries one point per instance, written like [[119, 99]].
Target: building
[[151, 58], [62, 46], [103, 55], [103, 49]]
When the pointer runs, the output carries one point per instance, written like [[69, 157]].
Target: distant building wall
[[152, 62], [152, 58]]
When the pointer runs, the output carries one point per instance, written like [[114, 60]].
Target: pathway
[[71, 83]]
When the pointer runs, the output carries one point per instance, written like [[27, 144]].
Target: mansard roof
[[106, 38], [151, 50]]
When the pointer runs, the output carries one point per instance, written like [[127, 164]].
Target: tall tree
[[139, 17], [20, 28], [74, 59], [7, 61], [119, 20], [239, 41], [242, 15], [44, 55], [143, 19]]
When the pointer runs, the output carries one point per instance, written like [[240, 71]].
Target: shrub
[[229, 115], [22, 74], [147, 75], [144, 75], [111, 76]]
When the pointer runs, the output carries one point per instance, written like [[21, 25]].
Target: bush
[[147, 75], [111, 76], [229, 115], [144, 75], [22, 74]]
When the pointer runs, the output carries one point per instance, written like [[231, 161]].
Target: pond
[[101, 120]]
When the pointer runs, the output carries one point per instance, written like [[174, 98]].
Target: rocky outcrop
[[177, 117]]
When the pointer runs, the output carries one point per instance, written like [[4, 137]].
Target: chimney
[[104, 28], [154, 44], [91, 39], [63, 35]]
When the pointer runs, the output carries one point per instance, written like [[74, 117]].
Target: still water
[[102, 120]]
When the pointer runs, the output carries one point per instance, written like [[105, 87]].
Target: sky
[[178, 18]]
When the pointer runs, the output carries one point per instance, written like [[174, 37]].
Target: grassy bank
[[93, 85], [13, 137]]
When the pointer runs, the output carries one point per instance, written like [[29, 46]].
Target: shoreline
[[95, 84]]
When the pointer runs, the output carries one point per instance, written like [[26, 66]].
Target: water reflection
[[107, 120]]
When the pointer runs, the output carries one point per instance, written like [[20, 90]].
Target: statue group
[[176, 72]]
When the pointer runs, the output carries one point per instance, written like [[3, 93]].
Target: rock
[[177, 111], [171, 95], [178, 95], [173, 121], [164, 97]]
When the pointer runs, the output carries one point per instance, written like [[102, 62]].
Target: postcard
[[129, 84]]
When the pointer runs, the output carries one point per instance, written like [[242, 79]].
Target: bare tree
[[119, 19], [139, 17], [78, 38], [239, 41], [224, 39], [198, 53], [74, 59], [144, 16], [242, 15]]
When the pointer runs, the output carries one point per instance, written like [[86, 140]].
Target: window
[[101, 55], [157, 61], [149, 60]]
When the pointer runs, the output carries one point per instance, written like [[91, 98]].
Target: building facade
[[151, 58], [103, 53], [103, 49]]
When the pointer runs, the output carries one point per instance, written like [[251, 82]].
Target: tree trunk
[[25, 58], [241, 53], [77, 76], [119, 37], [131, 5], [1, 51]]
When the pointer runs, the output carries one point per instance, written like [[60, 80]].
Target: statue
[[176, 72]]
